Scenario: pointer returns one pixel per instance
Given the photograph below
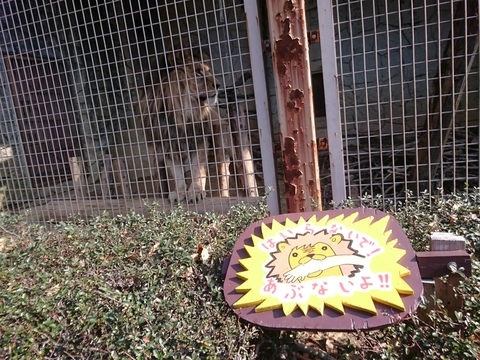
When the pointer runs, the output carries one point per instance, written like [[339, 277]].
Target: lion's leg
[[244, 163], [198, 165], [176, 180], [246, 167], [222, 144], [224, 176], [223, 155]]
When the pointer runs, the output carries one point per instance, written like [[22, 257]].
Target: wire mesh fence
[[408, 76], [108, 106], [112, 106]]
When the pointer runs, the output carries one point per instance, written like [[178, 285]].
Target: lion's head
[[186, 95], [190, 85], [303, 254], [301, 249]]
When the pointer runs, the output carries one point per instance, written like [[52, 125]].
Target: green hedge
[[128, 288]]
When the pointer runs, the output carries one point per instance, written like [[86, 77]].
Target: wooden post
[[444, 290], [293, 88]]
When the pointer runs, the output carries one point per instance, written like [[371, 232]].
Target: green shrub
[[440, 337], [127, 287], [123, 287]]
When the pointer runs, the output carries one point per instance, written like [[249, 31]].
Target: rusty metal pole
[[293, 87]]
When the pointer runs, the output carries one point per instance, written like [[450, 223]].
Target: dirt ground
[[331, 343], [312, 346]]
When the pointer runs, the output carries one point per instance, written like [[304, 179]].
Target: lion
[[180, 115], [312, 256]]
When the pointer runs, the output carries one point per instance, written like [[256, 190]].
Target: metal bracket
[[266, 46], [313, 36]]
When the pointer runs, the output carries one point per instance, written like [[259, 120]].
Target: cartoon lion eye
[[295, 254], [324, 248]]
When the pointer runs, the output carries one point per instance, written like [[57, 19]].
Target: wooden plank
[[441, 241], [435, 263], [445, 291]]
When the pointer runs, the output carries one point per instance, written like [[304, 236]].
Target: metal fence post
[[293, 87], [332, 100]]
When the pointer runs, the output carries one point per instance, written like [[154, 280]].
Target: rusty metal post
[[293, 87]]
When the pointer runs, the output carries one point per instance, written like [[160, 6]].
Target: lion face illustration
[[302, 249], [302, 255], [305, 254]]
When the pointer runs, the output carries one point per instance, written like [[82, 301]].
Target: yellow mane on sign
[[310, 264]]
